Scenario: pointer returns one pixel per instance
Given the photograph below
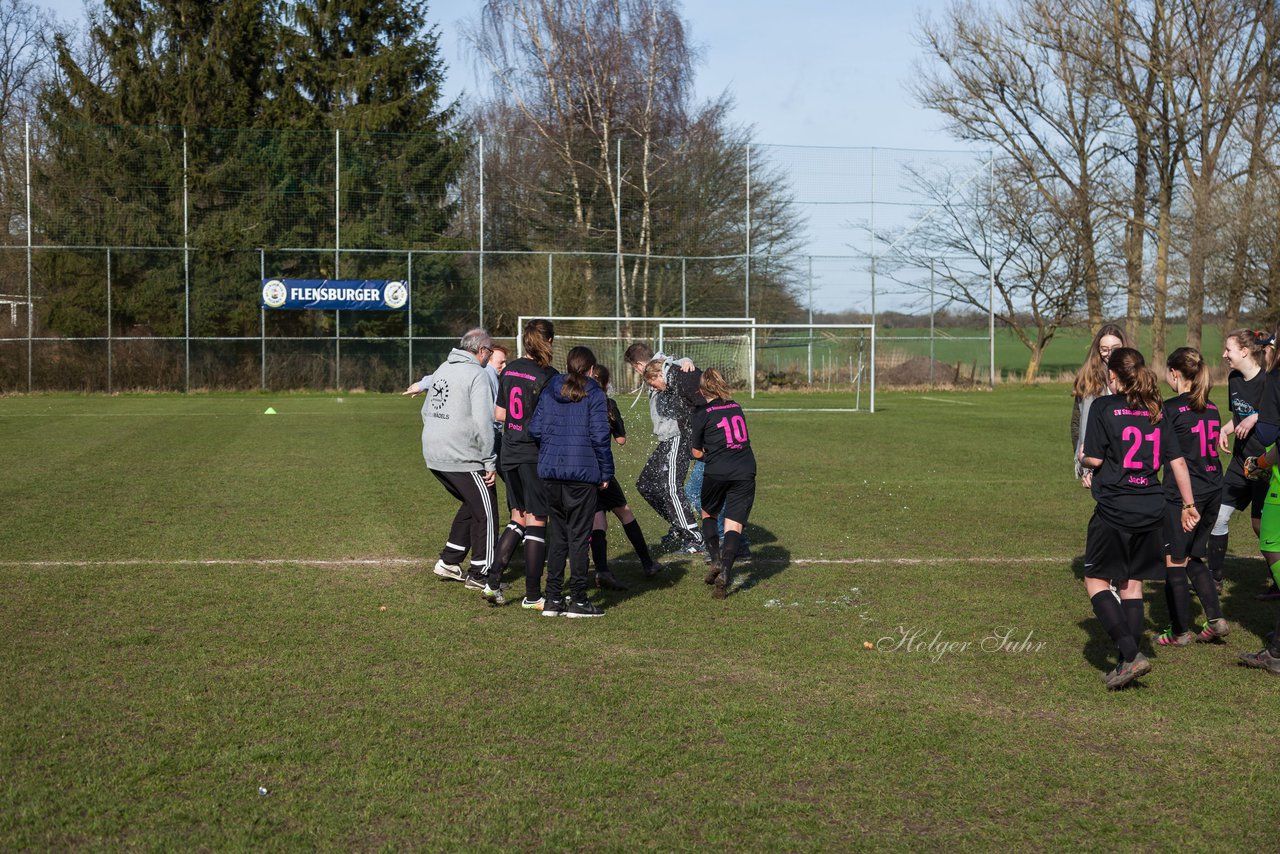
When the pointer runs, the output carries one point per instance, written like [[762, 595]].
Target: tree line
[[171, 123], [1136, 162]]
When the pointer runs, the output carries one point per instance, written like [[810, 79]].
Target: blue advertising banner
[[331, 294]]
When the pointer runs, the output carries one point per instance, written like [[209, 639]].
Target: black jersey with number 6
[[1132, 450], [720, 430], [1197, 434], [522, 382]]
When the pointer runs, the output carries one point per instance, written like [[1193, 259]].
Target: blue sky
[[808, 72]]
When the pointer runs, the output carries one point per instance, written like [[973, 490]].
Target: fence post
[[747, 281], [262, 316], [337, 247], [810, 360], [109, 365], [550, 313], [931, 322], [30, 302], [684, 287], [409, 308], [481, 230], [186, 266], [617, 227], [991, 292]]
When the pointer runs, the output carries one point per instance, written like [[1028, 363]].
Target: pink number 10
[[738, 426]]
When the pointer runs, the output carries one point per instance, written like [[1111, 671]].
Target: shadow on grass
[[1245, 578], [767, 560]]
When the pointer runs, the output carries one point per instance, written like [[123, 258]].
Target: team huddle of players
[[549, 436], [1125, 436]]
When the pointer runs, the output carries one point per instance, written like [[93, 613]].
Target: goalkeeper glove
[[1254, 471]]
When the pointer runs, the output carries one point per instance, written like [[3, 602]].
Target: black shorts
[[1180, 544], [525, 490], [735, 496], [1240, 493], [611, 497], [1118, 555]]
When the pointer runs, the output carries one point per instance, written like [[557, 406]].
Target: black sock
[[1217, 555], [729, 551], [507, 543], [634, 534], [1206, 590], [600, 551], [1177, 592], [1133, 612], [1111, 615], [535, 559], [711, 537]]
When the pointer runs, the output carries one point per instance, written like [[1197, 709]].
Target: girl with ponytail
[[1127, 441], [1194, 421], [1245, 351], [571, 427]]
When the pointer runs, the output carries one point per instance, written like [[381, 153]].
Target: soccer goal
[[609, 338], [818, 355]]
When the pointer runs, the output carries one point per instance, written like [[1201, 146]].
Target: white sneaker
[[448, 571]]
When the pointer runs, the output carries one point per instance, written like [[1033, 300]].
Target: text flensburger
[[335, 294]]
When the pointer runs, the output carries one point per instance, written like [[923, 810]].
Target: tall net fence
[[133, 256]]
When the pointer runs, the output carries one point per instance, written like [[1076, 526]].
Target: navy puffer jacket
[[572, 437]]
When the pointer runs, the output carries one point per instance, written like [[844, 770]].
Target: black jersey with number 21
[[1132, 450], [1197, 434], [720, 430]]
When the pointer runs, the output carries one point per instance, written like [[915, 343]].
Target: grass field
[[193, 615]]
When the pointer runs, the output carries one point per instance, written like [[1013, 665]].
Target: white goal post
[[857, 345], [609, 336]]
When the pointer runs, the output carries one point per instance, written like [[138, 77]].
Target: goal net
[[826, 356], [609, 338]]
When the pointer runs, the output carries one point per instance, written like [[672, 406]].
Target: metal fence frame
[[620, 257]]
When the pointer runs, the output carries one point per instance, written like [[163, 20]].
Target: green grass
[[148, 696]]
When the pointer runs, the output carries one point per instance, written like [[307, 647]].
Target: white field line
[[343, 563], [945, 400]]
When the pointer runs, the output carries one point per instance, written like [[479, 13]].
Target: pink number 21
[[1135, 435]]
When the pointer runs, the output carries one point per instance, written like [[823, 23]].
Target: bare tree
[[1016, 81], [1007, 236], [1231, 45]]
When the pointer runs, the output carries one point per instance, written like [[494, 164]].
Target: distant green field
[[1063, 355], [196, 653]]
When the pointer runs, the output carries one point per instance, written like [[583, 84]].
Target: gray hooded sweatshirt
[[457, 416]]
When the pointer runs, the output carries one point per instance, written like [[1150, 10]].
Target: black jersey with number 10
[[1197, 434], [1132, 450], [720, 430]]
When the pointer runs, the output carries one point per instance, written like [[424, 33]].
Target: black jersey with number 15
[[1132, 450], [720, 430], [1197, 434]]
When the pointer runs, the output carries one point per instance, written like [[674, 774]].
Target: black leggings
[[573, 506]]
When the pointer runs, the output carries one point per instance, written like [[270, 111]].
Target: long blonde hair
[[1091, 379], [714, 386]]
